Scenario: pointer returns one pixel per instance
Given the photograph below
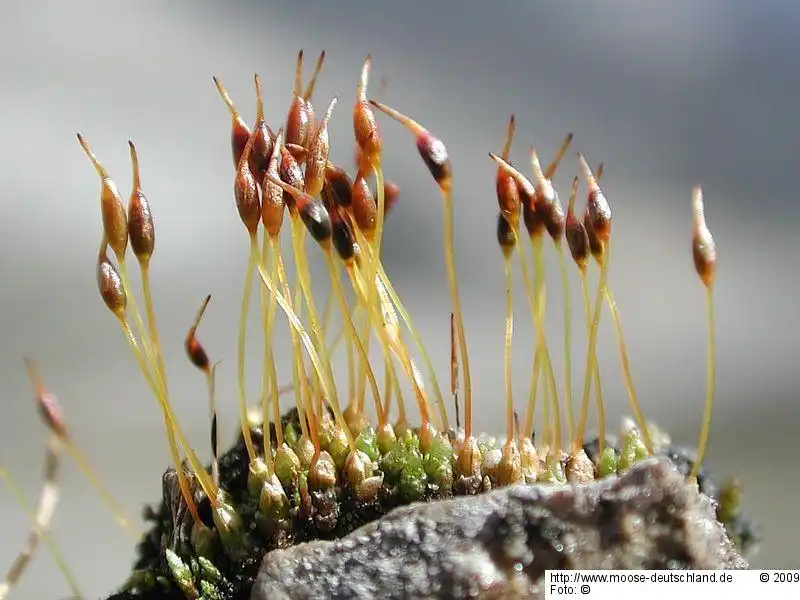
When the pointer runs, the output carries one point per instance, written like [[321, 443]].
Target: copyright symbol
[[764, 577], [585, 589]]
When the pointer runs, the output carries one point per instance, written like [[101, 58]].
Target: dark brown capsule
[[194, 349], [340, 183], [363, 207], [245, 191], [595, 244], [317, 159], [431, 149], [273, 204], [597, 206], [109, 284], [342, 236], [312, 212], [365, 128], [262, 144], [704, 249], [47, 403], [317, 220], [141, 229], [506, 236], [534, 222], [240, 131], [577, 238], [434, 155], [115, 221]]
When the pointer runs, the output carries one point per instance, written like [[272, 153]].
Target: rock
[[499, 544]]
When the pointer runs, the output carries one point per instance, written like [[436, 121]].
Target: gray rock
[[498, 544]]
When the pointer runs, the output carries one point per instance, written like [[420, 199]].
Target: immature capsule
[[109, 283], [245, 191], [300, 120], [704, 249], [141, 229], [273, 203], [365, 212], [546, 200], [364, 126], [391, 195], [262, 144], [115, 222], [508, 197], [291, 174], [317, 158], [194, 349], [49, 407], [240, 132], [526, 191]]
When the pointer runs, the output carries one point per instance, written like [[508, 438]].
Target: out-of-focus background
[[667, 94]]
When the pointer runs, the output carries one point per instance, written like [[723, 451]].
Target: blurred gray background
[[667, 94]]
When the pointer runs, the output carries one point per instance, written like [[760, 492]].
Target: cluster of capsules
[[301, 470]]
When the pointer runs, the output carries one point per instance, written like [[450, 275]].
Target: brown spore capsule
[[340, 183], [364, 126], [47, 403], [431, 149], [577, 238], [273, 203], [115, 221], [141, 228], [597, 206], [318, 150], [194, 349], [704, 249], [109, 283], [245, 191], [240, 131], [262, 144], [363, 206]]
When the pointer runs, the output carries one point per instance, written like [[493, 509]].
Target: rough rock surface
[[499, 544]]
